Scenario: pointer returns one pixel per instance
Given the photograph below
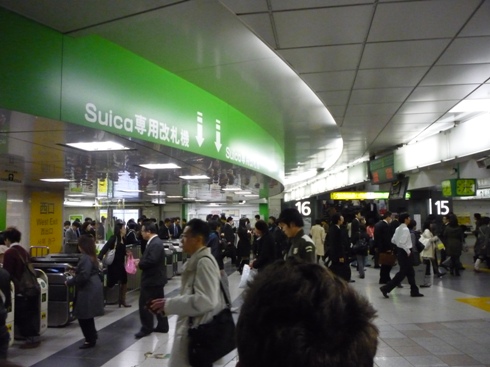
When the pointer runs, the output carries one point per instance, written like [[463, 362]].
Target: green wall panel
[[30, 66]]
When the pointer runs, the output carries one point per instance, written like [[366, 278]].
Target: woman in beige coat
[[318, 236]]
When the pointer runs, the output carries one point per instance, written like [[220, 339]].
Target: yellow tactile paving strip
[[483, 303]]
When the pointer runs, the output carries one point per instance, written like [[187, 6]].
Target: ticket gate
[[60, 297], [169, 263]]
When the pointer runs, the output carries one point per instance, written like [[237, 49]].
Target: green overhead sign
[[104, 86]]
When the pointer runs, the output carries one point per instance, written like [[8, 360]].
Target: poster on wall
[[73, 217], [47, 220]]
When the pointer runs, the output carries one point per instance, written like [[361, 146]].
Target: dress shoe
[[424, 285], [86, 345], [141, 334], [352, 281], [30, 345], [384, 291], [160, 330], [417, 295], [361, 276], [399, 286]]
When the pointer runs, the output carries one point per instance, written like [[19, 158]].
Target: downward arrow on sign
[[199, 136], [217, 143]]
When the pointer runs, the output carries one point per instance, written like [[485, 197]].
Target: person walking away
[[215, 244], [89, 299], [244, 246], [318, 237], [26, 308], [266, 251], [403, 242], [454, 243], [153, 279], [116, 272], [382, 243], [200, 296]]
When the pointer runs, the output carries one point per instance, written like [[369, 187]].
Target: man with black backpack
[[27, 305]]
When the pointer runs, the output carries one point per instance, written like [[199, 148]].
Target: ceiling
[[333, 80]]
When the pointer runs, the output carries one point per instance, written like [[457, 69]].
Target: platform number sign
[[439, 207], [304, 208]]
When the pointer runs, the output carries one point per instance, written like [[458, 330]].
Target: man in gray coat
[[153, 279]]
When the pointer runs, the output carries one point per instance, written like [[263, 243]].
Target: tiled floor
[[450, 326]]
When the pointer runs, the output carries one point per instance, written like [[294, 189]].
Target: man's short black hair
[[12, 234], [198, 227], [150, 226], [335, 218], [403, 216], [291, 215], [214, 225], [307, 317], [67, 223], [262, 226]]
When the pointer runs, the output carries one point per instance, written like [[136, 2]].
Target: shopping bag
[[247, 276], [130, 266]]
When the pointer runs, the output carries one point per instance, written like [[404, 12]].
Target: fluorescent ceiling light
[[190, 199], [231, 189], [243, 192], [174, 197], [156, 193], [252, 196], [200, 200], [195, 177], [98, 146], [15, 200], [130, 191], [160, 166], [75, 195], [55, 180]]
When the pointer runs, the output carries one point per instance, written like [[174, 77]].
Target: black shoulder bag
[[213, 340]]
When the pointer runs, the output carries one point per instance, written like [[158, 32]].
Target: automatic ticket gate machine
[[60, 297]]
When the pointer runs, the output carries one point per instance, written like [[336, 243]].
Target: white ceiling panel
[[366, 96], [261, 26], [478, 25], [410, 128], [415, 118], [457, 74], [420, 19], [386, 78], [295, 4], [251, 6], [328, 58], [436, 93], [402, 54], [302, 28], [372, 109], [334, 98], [475, 50], [427, 107], [482, 92], [335, 80]]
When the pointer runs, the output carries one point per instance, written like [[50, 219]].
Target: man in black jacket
[[153, 279], [5, 303], [382, 243]]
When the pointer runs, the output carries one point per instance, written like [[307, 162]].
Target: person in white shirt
[[403, 242]]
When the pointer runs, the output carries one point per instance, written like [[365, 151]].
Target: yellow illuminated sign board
[[360, 195]]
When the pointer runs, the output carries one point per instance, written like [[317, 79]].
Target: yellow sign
[[47, 220], [360, 195], [102, 187]]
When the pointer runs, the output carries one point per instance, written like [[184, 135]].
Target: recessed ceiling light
[[232, 189], [98, 146], [55, 180], [195, 177], [156, 193], [160, 166]]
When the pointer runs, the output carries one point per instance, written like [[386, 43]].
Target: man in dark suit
[[176, 228], [337, 245], [153, 279], [164, 231], [382, 243]]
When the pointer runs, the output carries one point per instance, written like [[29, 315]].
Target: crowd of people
[[292, 267]]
